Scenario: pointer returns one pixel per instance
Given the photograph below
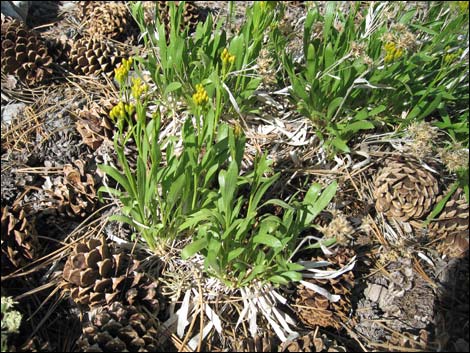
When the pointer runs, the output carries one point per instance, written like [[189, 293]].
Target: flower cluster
[[121, 110], [452, 56], [227, 58], [138, 87], [454, 159], [392, 52], [121, 72], [422, 136], [200, 97]]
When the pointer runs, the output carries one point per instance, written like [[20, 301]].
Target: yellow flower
[[138, 87], [237, 130], [200, 97], [121, 110], [121, 72], [392, 52], [227, 58]]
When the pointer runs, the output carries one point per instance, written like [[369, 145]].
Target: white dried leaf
[[193, 342], [214, 318], [322, 291], [182, 314]]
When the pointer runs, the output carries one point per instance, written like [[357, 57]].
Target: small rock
[[11, 111]]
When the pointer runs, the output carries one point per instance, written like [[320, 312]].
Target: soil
[[406, 294]]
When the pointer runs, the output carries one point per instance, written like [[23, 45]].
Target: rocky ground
[[407, 291]]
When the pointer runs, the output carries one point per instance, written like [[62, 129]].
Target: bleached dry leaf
[[193, 342], [214, 318], [331, 297], [182, 314]]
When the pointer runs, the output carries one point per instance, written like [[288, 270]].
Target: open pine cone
[[96, 275], [316, 310], [94, 56], [81, 193], [405, 190], [120, 328], [267, 342], [452, 226], [107, 19], [94, 124], [24, 53], [192, 15], [19, 239]]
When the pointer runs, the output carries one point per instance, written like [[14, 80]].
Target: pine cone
[[267, 342], [306, 343], [452, 226], [81, 193], [119, 328], [19, 239], [316, 310], [93, 56], [97, 275], [192, 15], [59, 48], [24, 53], [109, 20], [94, 124], [405, 190]]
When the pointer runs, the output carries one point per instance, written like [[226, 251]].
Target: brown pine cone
[[96, 275], [94, 56], [94, 124], [81, 192], [108, 20], [192, 15], [405, 190], [316, 310], [24, 53], [19, 240], [451, 227], [267, 342], [120, 328]]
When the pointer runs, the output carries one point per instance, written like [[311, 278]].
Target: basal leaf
[[268, 240], [235, 253], [172, 87], [191, 249]]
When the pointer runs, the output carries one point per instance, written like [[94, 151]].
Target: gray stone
[[11, 111]]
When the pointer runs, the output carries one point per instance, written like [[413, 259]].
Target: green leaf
[[122, 219], [116, 175], [330, 13], [407, 16], [172, 87], [268, 240], [292, 275], [358, 125], [235, 253], [440, 205], [190, 249], [334, 104], [377, 110], [278, 280], [323, 201], [259, 268], [430, 108], [340, 144]]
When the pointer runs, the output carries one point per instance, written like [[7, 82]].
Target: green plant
[[185, 61], [431, 75], [11, 320], [356, 75], [166, 185], [242, 244], [326, 85]]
